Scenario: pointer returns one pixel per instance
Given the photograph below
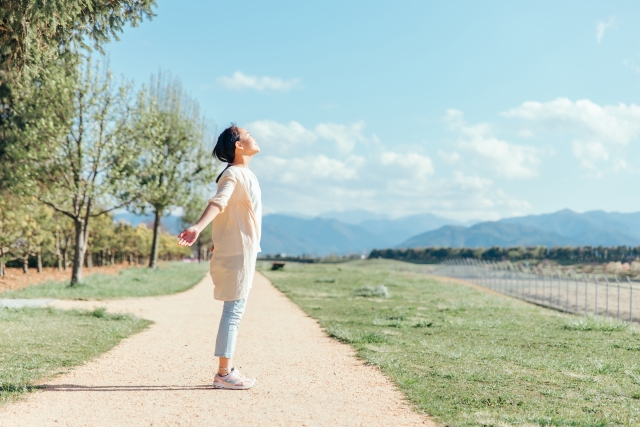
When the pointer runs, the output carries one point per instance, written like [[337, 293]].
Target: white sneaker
[[233, 381]]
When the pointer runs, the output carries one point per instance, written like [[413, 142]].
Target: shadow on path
[[73, 387]]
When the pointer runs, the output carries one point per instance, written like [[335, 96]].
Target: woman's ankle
[[223, 372]]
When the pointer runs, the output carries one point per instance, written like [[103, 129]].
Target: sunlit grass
[[169, 278], [36, 343], [470, 358]]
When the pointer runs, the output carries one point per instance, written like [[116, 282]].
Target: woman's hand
[[188, 236]]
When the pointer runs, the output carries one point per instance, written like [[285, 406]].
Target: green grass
[[169, 278], [37, 343], [470, 358]]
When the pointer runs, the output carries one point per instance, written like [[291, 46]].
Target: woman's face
[[247, 144]]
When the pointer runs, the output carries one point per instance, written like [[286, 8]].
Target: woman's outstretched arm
[[217, 204], [190, 235]]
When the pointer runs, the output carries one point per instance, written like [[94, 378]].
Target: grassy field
[[471, 358], [36, 343], [169, 278]]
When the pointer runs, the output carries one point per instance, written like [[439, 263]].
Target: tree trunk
[[199, 245], [130, 259], [153, 259], [113, 257], [39, 255], [65, 259], [2, 272], [58, 254], [79, 250], [25, 264]]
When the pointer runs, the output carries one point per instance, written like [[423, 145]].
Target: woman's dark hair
[[225, 148]]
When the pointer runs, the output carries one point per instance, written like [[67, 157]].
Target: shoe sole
[[232, 387]]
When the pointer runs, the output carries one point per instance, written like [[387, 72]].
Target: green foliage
[[83, 145], [36, 343], [562, 254], [471, 358], [34, 33], [168, 134], [131, 282]]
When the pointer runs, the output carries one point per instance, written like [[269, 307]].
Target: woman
[[236, 212]]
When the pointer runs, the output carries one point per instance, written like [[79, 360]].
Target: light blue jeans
[[228, 329]]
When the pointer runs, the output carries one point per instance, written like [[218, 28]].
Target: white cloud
[[278, 137], [505, 159], [311, 168], [590, 153], [471, 182], [603, 26], [621, 164], [417, 165], [239, 81], [612, 123], [597, 131], [334, 166], [345, 136], [449, 158]]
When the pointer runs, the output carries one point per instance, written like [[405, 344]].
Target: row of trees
[[581, 254], [77, 142], [34, 230]]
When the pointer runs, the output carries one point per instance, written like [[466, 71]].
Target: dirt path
[[162, 376]]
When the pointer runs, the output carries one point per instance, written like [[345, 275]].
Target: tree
[[34, 33], [101, 239], [86, 155], [170, 131], [9, 205], [43, 216], [63, 233], [192, 211], [30, 234]]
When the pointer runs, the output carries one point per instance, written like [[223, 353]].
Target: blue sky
[[467, 110]]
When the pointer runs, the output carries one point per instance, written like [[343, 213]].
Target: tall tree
[[80, 174], [9, 217], [33, 33], [172, 131], [30, 234]]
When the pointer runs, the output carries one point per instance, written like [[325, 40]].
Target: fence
[[567, 290]]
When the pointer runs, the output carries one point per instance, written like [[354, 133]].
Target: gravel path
[[162, 376]]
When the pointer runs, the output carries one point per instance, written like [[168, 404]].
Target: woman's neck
[[242, 161]]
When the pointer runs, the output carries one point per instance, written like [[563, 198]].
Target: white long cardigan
[[236, 232]]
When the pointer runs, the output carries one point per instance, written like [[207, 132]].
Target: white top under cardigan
[[236, 233]]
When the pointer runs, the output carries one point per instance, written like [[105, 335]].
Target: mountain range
[[360, 231], [562, 228], [341, 232]]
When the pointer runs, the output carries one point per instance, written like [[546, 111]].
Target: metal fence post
[[618, 282], [586, 293], [576, 280], [607, 295], [596, 280], [566, 305], [630, 300]]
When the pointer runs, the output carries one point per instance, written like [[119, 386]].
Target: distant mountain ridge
[[364, 231], [326, 234], [562, 228]]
